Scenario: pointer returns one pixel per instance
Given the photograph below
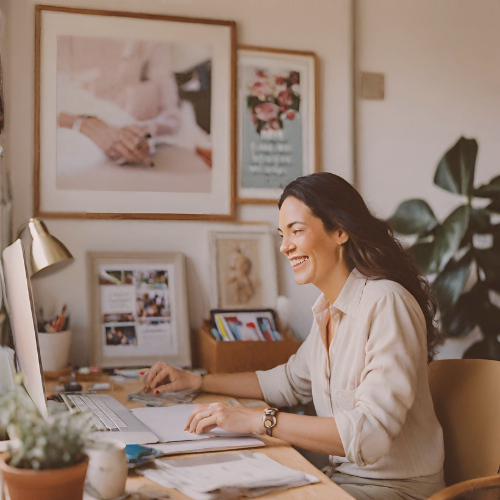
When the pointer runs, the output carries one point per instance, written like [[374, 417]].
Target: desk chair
[[466, 395], [484, 488]]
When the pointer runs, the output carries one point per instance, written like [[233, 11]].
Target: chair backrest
[[466, 395]]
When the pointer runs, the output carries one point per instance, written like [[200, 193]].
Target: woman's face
[[313, 253]]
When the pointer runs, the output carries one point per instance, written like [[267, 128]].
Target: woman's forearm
[[66, 120], [318, 434], [243, 385]]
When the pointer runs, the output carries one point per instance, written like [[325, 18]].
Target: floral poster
[[277, 142]]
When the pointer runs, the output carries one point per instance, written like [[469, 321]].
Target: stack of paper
[[226, 476]]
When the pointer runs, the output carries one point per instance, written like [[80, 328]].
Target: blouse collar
[[348, 299]]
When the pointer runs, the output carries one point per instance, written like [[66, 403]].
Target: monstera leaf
[[460, 319], [412, 217], [448, 237], [455, 171], [447, 250], [491, 190], [448, 285]]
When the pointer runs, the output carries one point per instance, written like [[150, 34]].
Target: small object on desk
[[130, 373], [73, 387], [164, 398], [99, 386], [84, 370], [140, 455]]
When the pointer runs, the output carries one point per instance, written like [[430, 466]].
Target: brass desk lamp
[[46, 250]]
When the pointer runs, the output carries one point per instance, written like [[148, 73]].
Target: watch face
[[268, 424]]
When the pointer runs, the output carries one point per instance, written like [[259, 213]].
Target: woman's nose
[[286, 245]]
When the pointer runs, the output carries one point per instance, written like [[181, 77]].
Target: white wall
[[442, 67], [442, 72], [321, 26]]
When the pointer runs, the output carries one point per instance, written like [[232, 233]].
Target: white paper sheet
[[213, 444], [168, 422]]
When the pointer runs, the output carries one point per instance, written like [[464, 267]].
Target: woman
[[364, 364]]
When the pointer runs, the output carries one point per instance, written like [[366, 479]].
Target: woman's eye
[[297, 231]]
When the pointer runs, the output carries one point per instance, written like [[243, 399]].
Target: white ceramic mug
[[108, 468], [54, 350]]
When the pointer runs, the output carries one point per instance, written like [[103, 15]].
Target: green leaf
[[489, 261], [480, 221], [494, 206], [448, 286], [460, 320], [422, 253], [455, 171], [491, 190], [489, 348], [448, 237], [489, 318], [412, 217]]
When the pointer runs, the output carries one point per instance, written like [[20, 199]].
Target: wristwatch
[[269, 420]]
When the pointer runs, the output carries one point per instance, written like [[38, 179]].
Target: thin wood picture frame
[[138, 308], [278, 103], [188, 169]]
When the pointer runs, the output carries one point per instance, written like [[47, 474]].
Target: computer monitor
[[23, 321]]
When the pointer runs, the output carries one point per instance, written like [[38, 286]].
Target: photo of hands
[[133, 115]]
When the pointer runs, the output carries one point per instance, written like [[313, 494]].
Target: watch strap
[[269, 420]]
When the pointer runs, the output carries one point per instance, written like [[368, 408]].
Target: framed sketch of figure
[[243, 264]]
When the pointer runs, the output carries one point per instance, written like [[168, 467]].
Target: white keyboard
[[103, 417]]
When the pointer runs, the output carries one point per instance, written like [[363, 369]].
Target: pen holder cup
[[54, 350]]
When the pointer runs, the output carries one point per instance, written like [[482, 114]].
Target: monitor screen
[[23, 320]]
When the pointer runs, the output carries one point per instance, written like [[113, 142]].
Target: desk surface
[[276, 449]]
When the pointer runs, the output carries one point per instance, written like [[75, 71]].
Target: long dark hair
[[371, 247]]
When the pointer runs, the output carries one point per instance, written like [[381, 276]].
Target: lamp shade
[[46, 250]]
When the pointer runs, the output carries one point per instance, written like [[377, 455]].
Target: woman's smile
[[298, 261]]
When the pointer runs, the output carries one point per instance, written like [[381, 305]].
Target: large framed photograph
[[278, 121], [243, 267], [134, 115], [139, 309]]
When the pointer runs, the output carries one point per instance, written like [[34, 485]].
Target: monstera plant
[[463, 249]]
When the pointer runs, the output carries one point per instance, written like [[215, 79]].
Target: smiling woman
[[364, 364]]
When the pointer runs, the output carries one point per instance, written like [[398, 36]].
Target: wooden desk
[[276, 449]]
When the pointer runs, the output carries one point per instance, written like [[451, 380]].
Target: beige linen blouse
[[376, 384]]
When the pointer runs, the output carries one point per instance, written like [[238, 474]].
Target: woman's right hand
[[165, 378], [113, 141]]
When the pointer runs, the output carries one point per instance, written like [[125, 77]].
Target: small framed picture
[[246, 324], [134, 115], [139, 309], [278, 123], [243, 267]]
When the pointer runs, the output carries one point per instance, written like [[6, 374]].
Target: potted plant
[[45, 459], [463, 249]]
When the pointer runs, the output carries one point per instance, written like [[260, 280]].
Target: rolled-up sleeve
[[386, 391], [288, 384]]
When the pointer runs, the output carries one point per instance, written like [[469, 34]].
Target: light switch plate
[[372, 85]]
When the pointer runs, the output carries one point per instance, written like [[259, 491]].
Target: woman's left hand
[[237, 419]]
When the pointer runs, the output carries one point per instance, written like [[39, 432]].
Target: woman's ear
[[342, 236]]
